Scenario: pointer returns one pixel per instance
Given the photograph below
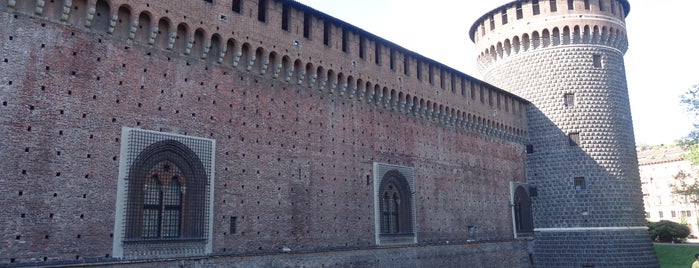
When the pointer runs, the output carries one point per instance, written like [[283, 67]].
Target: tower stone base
[[596, 248]]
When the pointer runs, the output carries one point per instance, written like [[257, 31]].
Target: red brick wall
[[65, 94]]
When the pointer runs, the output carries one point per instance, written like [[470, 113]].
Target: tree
[[690, 102], [667, 231]]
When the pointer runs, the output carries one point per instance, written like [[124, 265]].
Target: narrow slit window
[[552, 4], [571, 5], [535, 7], [492, 22], [391, 59], [587, 4], [503, 16], [601, 5]]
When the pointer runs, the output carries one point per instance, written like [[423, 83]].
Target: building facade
[[566, 58], [662, 171], [267, 134]]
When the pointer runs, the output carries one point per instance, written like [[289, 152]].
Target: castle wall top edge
[[360, 31], [474, 27]]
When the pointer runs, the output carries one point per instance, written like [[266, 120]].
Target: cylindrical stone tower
[[566, 57]]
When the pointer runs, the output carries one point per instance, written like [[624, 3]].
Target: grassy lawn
[[676, 256]]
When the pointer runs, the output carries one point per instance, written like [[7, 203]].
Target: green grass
[[676, 256]]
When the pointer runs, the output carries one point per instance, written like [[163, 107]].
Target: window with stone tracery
[[395, 210], [162, 202], [164, 195], [390, 203]]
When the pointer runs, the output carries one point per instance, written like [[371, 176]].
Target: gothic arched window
[[522, 211], [162, 201], [167, 194], [164, 195], [395, 206]]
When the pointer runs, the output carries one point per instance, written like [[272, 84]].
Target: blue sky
[[660, 63]]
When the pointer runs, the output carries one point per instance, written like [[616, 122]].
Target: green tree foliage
[[690, 102], [667, 231], [690, 191]]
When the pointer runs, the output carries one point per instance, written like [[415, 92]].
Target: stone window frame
[[192, 161], [401, 178]]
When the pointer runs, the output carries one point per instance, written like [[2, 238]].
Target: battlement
[[522, 26], [288, 41]]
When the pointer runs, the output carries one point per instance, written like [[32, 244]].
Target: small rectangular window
[[492, 22], [552, 4], [530, 149], [587, 4], [518, 8], [345, 40], [307, 25], [391, 59], [233, 225], [362, 44], [571, 5], [574, 139], [503, 16], [237, 4], [579, 184], [326, 33], [210, 1], [473, 91], [569, 99], [601, 5], [597, 60], [613, 7], [285, 17], [262, 10], [673, 214], [535, 7], [660, 213]]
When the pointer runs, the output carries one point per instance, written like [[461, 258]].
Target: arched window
[[395, 206], [162, 202], [158, 205], [165, 183], [522, 207]]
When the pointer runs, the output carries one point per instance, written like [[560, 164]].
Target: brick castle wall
[[293, 156]]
